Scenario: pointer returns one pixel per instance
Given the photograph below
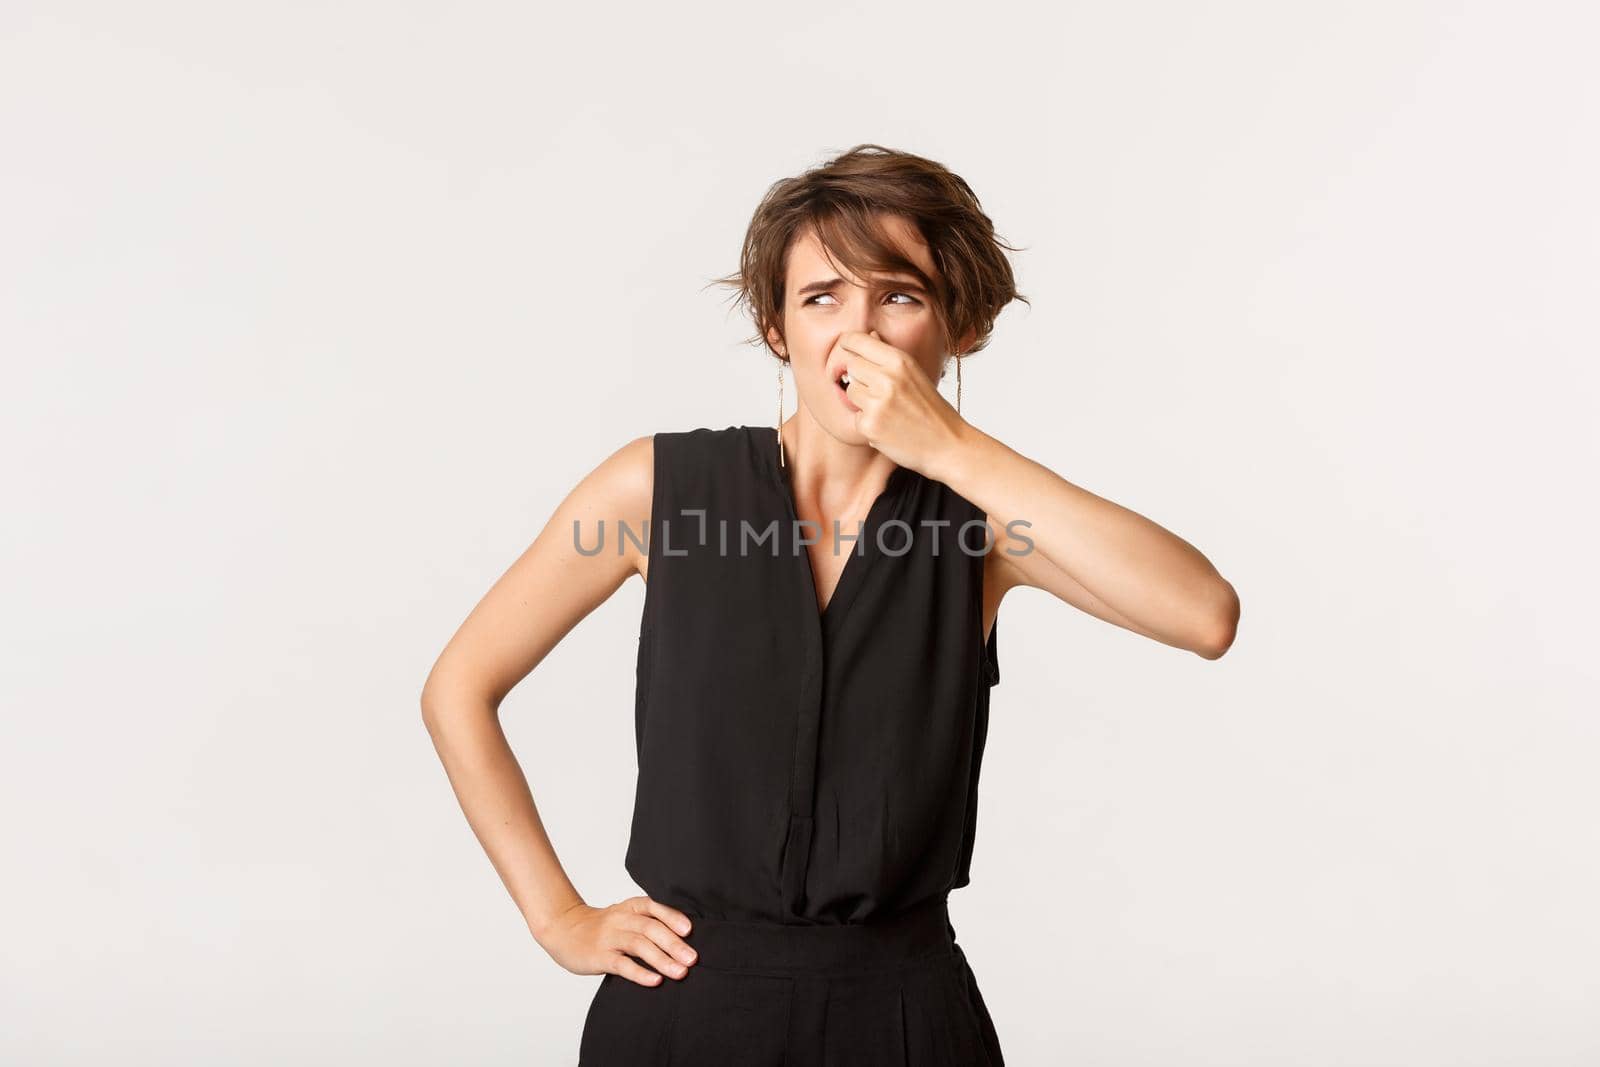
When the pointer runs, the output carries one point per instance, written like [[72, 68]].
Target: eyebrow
[[833, 283]]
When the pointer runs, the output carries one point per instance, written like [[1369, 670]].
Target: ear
[[775, 341]]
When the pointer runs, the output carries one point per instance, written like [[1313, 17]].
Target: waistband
[[922, 931]]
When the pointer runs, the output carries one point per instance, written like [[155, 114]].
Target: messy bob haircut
[[839, 201]]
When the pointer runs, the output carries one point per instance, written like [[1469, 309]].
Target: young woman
[[809, 724]]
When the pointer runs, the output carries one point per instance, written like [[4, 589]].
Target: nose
[[862, 316], [865, 318]]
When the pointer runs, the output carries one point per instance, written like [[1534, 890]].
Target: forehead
[[809, 260]]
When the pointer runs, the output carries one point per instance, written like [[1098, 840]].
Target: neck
[[837, 477]]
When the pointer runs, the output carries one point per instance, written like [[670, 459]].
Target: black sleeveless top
[[799, 767]]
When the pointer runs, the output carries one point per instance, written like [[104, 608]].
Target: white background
[[310, 315]]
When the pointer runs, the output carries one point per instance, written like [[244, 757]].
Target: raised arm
[[528, 610], [1092, 553], [1099, 556]]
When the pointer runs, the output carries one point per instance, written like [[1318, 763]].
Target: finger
[[862, 372], [662, 935], [624, 967], [865, 345], [668, 914], [636, 943]]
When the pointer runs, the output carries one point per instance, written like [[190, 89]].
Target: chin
[[843, 429]]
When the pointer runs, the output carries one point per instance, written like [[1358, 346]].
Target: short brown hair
[[838, 200]]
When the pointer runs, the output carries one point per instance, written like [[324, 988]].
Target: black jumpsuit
[[807, 787]]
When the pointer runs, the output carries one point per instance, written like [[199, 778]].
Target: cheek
[[810, 347]]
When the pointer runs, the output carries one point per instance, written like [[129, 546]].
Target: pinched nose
[[838, 358]]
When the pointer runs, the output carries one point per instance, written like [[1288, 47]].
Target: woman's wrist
[[961, 456], [540, 921]]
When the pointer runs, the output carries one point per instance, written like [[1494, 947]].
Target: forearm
[[1143, 571], [494, 796]]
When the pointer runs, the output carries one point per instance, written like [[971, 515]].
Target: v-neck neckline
[[860, 554]]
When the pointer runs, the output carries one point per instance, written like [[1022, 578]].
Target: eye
[[908, 296]]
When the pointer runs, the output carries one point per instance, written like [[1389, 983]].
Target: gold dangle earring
[[780, 413], [957, 357]]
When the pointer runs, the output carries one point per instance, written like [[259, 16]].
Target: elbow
[[1222, 625], [435, 705], [430, 712], [449, 707]]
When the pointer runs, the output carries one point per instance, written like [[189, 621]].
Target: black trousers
[[896, 993]]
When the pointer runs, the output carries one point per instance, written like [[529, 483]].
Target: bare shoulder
[[620, 491], [628, 474], [572, 566]]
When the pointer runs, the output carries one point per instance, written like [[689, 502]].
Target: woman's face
[[823, 300]]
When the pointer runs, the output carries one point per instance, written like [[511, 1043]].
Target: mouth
[[841, 382]]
